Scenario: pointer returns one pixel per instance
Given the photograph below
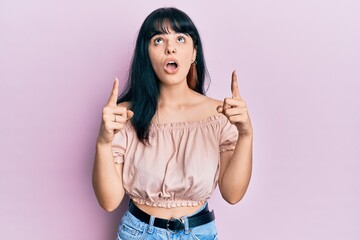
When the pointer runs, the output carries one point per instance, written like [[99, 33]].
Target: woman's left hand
[[235, 110]]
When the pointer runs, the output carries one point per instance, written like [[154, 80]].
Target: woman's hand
[[235, 109], [114, 117]]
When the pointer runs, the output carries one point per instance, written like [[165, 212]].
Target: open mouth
[[171, 65]]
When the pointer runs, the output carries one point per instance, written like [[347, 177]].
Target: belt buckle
[[175, 224]]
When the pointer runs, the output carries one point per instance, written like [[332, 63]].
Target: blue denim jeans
[[131, 228]]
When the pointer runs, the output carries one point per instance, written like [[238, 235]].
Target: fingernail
[[116, 79]]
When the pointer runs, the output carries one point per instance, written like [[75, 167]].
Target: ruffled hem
[[229, 147], [118, 155], [118, 160], [168, 203]]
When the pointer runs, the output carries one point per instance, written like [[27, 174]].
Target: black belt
[[173, 224]]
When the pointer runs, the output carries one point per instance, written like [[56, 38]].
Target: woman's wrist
[[245, 136], [100, 145]]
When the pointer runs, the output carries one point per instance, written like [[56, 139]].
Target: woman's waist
[[165, 196], [173, 212]]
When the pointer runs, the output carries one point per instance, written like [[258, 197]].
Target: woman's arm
[[235, 170], [107, 176], [236, 166]]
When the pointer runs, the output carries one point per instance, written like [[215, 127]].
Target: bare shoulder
[[209, 106], [214, 103]]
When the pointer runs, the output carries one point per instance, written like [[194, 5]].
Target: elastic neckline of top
[[187, 123]]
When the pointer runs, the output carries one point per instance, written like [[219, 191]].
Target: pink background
[[298, 64]]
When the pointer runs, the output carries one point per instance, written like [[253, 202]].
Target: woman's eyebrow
[[157, 34], [166, 33]]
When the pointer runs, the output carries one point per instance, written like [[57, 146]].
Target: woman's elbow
[[233, 199], [108, 207], [109, 203]]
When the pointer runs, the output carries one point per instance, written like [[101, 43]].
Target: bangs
[[162, 22], [164, 26]]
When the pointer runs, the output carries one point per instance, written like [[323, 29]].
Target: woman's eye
[[181, 39], [158, 40]]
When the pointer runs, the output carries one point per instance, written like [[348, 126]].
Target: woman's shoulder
[[211, 103], [206, 107]]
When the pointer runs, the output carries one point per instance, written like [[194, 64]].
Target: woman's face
[[171, 55]]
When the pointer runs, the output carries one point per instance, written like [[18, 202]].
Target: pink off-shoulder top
[[181, 165]]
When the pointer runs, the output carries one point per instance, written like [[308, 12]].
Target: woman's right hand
[[114, 117]]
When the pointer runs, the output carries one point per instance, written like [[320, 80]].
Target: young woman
[[167, 145]]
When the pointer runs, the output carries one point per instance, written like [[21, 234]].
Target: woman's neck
[[175, 96]]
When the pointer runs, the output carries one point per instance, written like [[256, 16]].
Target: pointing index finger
[[114, 94], [234, 86]]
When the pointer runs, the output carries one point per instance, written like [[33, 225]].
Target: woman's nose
[[170, 49]]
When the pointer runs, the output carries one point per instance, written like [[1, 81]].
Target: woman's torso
[[197, 116]]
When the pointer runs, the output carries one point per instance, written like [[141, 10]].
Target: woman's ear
[[192, 74], [193, 59]]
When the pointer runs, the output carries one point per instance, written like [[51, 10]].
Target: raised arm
[[107, 176], [236, 166]]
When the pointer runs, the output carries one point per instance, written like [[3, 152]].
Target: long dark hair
[[142, 88]]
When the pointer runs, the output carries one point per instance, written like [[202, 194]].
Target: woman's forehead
[[165, 26]]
